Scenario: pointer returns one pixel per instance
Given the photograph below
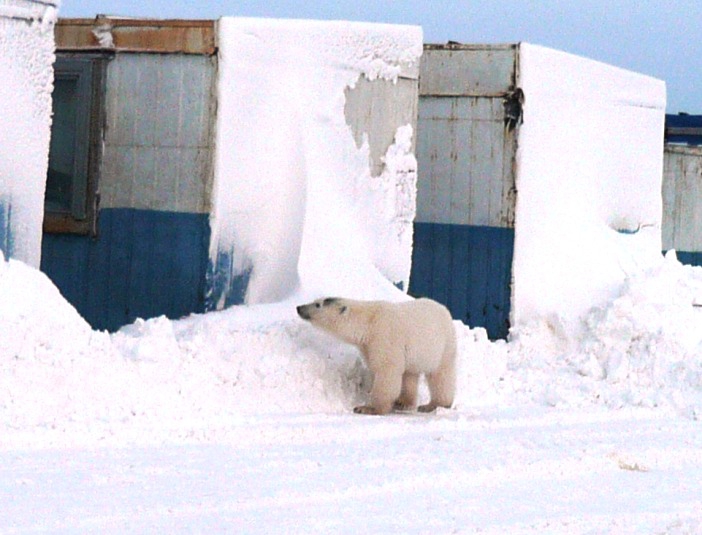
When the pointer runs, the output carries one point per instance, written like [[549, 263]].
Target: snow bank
[[62, 383], [295, 206], [589, 171], [26, 57], [643, 348], [161, 380]]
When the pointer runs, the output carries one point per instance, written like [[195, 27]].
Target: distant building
[[682, 187]]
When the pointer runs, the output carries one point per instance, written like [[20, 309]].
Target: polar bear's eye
[[317, 305]]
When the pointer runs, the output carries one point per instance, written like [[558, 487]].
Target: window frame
[[89, 69]]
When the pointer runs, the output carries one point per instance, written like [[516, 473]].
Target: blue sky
[[661, 38]]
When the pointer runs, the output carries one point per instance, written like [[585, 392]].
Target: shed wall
[[158, 143], [378, 124], [155, 232], [150, 256], [467, 70], [464, 229], [682, 202]]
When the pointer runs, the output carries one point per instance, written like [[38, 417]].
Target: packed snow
[[25, 122], [588, 179], [239, 421], [292, 191]]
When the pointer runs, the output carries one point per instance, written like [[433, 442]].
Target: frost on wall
[[589, 171], [297, 208], [26, 58]]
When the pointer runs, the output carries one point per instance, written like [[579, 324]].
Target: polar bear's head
[[336, 316], [322, 310]]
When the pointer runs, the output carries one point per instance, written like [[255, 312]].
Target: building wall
[[26, 56], [378, 124], [158, 141], [464, 229], [682, 202], [150, 255]]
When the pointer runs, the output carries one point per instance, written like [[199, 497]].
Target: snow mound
[[191, 379], [35, 321], [649, 339], [643, 348]]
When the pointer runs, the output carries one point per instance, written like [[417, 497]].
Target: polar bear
[[398, 341]]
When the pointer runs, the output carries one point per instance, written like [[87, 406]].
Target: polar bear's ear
[[342, 309]]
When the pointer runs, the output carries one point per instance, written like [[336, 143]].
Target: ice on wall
[[589, 171], [26, 58], [295, 204]]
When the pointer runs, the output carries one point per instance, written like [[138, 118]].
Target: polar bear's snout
[[302, 311]]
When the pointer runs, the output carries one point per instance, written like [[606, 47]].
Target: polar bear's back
[[422, 328]]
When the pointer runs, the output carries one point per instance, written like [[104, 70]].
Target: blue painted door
[[464, 230]]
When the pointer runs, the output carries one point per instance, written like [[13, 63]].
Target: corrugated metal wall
[[464, 230], [151, 253], [682, 202]]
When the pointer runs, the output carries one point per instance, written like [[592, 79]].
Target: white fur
[[399, 341]]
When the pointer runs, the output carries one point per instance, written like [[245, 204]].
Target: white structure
[[26, 57], [589, 171], [682, 202]]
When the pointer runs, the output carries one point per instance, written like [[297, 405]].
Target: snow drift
[[26, 56], [295, 206], [156, 380], [589, 170]]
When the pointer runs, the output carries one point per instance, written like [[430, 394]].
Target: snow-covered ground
[[240, 421], [489, 471]]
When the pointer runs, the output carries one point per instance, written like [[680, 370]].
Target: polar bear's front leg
[[387, 385]]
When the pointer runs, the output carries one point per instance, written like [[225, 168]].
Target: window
[[70, 203]]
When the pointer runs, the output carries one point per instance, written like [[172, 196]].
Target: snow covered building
[[682, 187], [193, 166], [528, 206], [145, 214], [26, 55]]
